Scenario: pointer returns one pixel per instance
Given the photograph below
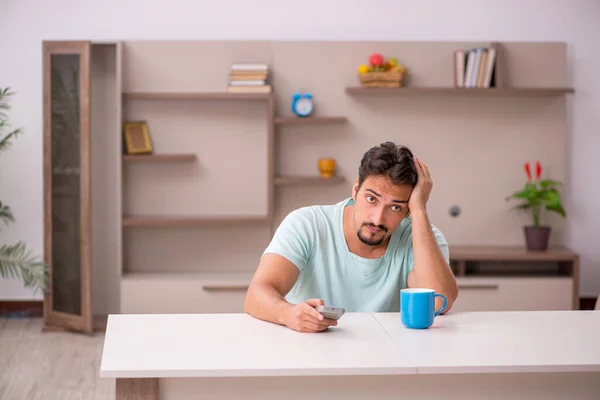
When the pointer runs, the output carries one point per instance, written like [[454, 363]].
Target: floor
[[50, 366]]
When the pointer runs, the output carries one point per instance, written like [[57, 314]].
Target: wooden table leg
[[137, 389]]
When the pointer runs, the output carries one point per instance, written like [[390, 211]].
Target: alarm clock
[[302, 104]]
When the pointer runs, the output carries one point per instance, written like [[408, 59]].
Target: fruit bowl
[[381, 72]]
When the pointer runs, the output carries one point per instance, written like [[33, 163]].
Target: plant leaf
[[547, 183], [558, 209], [551, 197], [528, 192], [17, 262], [553, 203], [6, 214], [521, 195], [5, 142]]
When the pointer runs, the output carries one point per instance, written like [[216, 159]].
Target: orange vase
[[326, 167]]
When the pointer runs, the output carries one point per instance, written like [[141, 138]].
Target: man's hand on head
[[420, 194]]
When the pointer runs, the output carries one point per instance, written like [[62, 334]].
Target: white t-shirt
[[312, 238]]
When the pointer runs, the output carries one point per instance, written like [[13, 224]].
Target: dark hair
[[390, 160]]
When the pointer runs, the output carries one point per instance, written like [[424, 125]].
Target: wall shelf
[[307, 180], [196, 96], [510, 253], [309, 120], [159, 158], [419, 91], [182, 221]]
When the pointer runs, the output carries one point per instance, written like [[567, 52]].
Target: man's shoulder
[[301, 229], [315, 214]]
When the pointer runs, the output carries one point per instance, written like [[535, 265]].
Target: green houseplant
[[16, 261], [537, 196]]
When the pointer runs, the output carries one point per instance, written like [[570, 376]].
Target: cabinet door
[[66, 78], [514, 294]]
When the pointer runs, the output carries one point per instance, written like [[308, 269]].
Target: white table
[[492, 355]]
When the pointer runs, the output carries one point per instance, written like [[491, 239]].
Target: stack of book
[[249, 78], [475, 68]]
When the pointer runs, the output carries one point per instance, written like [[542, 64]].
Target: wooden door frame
[[83, 322]]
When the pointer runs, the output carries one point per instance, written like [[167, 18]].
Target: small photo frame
[[137, 138]]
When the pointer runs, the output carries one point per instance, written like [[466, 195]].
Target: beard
[[368, 239]]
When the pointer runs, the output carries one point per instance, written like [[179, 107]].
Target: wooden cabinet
[[67, 194], [81, 152], [514, 293], [511, 279], [184, 293]]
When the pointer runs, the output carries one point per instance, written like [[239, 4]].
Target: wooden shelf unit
[[454, 91], [310, 120], [511, 253], [307, 180], [191, 291], [511, 278], [143, 73], [189, 221], [141, 221], [158, 158], [196, 96], [232, 287]]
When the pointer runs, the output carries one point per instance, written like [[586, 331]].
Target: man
[[356, 254]]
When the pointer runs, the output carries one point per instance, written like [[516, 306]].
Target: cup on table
[[417, 307]]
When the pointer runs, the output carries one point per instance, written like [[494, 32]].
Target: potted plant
[[538, 195], [16, 261]]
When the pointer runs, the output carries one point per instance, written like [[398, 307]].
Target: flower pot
[[536, 237]]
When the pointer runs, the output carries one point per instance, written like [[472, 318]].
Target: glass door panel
[[67, 184]]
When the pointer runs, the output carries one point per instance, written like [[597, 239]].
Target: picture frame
[[137, 138]]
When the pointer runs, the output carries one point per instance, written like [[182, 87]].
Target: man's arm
[[430, 267], [279, 268], [274, 278]]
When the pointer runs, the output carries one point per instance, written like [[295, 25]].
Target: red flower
[[528, 170], [538, 170]]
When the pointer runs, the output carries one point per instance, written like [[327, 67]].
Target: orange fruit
[[364, 69]]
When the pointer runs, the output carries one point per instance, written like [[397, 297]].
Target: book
[[249, 78], [249, 89], [250, 67], [459, 68], [475, 68]]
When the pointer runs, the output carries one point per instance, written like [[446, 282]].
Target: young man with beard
[[357, 254]]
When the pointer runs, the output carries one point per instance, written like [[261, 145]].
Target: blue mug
[[417, 307]]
